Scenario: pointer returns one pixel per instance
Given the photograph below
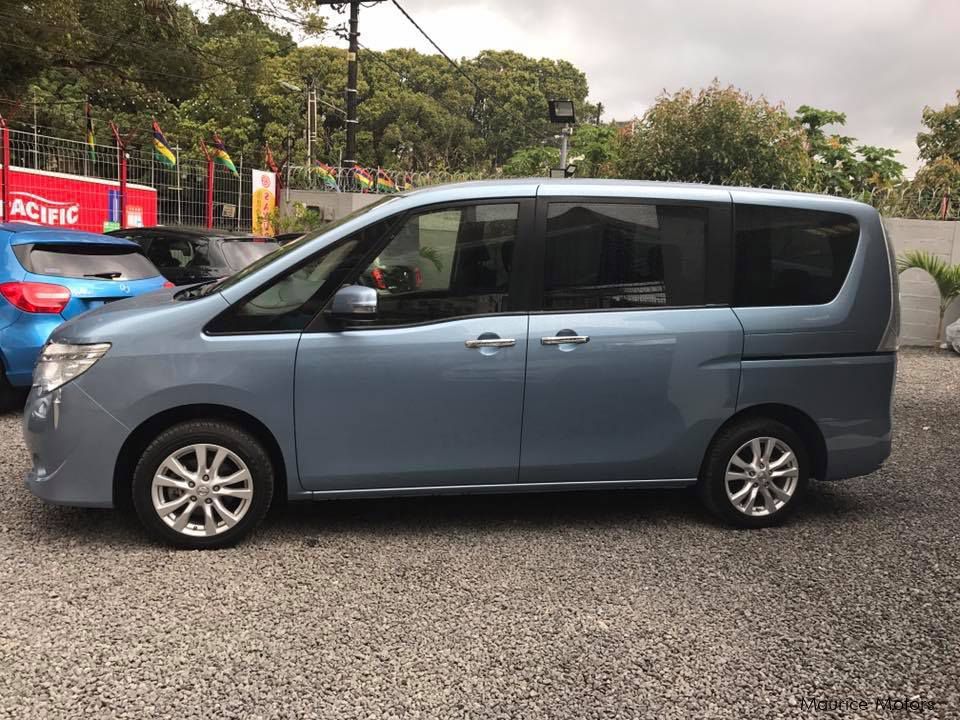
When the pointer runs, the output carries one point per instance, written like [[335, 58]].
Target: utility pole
[[311, 122], [350, 158], [565, 133]]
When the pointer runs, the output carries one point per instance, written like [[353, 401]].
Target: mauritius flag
[[364, 178], [384, 183], [162, 148], [221, 156], [327, 174]]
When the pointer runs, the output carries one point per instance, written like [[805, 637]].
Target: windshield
[[291, 246], [240, 253]]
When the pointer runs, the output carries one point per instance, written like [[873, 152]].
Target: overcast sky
[[879, 61]]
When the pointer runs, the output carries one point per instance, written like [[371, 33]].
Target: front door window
[[449, 263]]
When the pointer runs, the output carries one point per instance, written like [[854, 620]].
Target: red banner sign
[[78, 203]]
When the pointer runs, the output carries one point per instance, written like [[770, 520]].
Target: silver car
[[555, 335]]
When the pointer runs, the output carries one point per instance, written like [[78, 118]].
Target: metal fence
[[181, 191]]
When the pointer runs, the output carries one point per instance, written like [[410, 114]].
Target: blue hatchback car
[[493, 337], [48, 275]]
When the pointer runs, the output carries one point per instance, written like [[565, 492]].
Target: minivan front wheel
[[755, 473], [203, 484]]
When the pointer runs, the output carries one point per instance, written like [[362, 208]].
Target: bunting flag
[[91, 141], [363, 178], [221, 156], [272, 165], [385, 183], [161, 147], [327, 174], [407, 183]]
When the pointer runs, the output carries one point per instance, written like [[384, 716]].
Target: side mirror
[[354, 302]]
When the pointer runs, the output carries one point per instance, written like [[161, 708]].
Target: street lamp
[[561, 112]]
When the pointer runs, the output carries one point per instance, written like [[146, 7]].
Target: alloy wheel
[[202, 490], [762, 476]]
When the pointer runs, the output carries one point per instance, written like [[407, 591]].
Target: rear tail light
[[35, 297], [168, 284], [417, 277], [890, 342], [378, 278]]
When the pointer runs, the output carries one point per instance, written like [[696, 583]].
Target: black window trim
[[718, 261], [518, 290]]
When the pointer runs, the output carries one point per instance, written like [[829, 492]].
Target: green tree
[[593, 149], [946, 276], [532, 162], [716, 135], [840, 166], [942, 135]]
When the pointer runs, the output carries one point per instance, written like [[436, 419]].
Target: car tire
[[755, 473], [215, 478]]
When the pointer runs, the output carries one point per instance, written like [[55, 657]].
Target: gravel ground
[[561, 606]]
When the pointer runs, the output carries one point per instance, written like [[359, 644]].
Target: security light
[[561, 111]]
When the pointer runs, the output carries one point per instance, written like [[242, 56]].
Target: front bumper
[[74, 444]]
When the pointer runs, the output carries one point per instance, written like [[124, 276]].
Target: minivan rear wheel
[[203, 484], [755, 473]]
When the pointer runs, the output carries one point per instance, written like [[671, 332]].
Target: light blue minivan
[[507, 336]]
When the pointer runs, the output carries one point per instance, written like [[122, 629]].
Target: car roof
[[613, 188], [27, 234], [188, 231]]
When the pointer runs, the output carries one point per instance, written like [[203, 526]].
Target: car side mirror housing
[[354, 302]]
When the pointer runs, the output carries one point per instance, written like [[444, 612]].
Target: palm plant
[[945, 275]]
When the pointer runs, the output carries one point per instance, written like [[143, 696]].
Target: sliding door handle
[[565, 340], [490, 343]]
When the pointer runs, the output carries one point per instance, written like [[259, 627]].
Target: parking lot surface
[[584, 605]]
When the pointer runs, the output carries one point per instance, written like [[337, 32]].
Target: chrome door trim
[[565, 340], [490, 342]]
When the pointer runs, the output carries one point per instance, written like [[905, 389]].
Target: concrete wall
[[331, 205], [919, 299]]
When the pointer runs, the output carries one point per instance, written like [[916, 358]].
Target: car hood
[[151, 312]]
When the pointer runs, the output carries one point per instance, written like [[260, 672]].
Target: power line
[[482, 95], [374, 55], [439, 49]]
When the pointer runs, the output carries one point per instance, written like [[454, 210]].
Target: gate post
[[5, 171], [206, 153], [121, 174]]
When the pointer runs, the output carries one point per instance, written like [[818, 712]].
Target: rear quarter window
[[789, 256], [109, 262]]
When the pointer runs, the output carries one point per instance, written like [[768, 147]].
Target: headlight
[[60, 363]]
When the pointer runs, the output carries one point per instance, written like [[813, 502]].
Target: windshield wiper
[[105, 275]]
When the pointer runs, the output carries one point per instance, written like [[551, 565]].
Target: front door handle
[[490, 343], [565, 340]]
